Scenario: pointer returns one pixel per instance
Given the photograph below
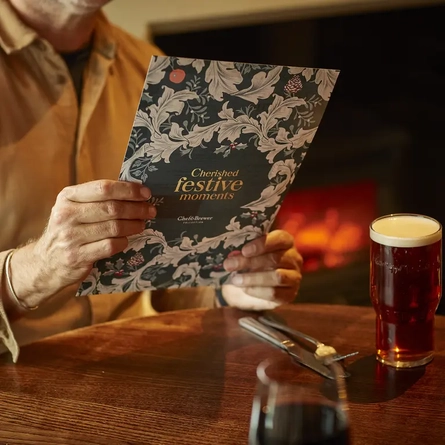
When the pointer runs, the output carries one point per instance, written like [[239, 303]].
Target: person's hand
[[88, 222], [268, 273]]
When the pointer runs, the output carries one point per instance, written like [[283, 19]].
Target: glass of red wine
[[295, 406]]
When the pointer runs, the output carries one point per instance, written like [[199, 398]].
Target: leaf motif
[[187, 243], [226, 113], [262, 85], [148, 236], [279, 109], [303, 137], [162, 147], [233, 225], [239, 237], [231, 130], [127, 166], [176, 132], [190, 270], [308, 73], [232, 126], [272, 147], [198, 64], [184, 61], [222, 77], [221, 149], [172, 256], [199, 134], [293, 70], [156, 71], [282, 136], [271, 195], [170, 102], [142, 119], [326, 81]]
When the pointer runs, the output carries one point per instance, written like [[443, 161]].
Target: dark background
[[386, 117]]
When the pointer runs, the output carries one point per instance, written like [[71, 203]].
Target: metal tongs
[[277, 336]]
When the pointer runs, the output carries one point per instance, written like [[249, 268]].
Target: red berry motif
[[294, 85], [177, 76]]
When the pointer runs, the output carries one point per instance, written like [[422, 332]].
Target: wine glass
[[295, 406]]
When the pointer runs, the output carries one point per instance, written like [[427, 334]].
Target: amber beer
[[405, 287]]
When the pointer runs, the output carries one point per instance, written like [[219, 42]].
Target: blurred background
[[380, 146]]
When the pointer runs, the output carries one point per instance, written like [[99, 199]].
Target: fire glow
[[330, 224]]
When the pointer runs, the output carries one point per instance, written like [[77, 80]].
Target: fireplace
[[353, 172], [330, 224]]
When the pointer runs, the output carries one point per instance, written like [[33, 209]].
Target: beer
[[405, 287]]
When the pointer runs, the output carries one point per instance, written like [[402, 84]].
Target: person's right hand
[[88, 222]]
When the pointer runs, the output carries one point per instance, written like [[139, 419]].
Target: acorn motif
[[294, 85]]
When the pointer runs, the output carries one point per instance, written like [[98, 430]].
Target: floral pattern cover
[[219, 145]]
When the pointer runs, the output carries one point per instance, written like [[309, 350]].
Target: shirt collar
[[104, 38], [15, 35]]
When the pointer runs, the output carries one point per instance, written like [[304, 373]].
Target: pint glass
[[405, 287]]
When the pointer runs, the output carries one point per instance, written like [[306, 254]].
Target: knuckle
[[65, 193], [134, 189], [113, 209], [105, 187], [60, 213], [109, 247], [150, 211], [285, 239], [114, 228], [113, 245]]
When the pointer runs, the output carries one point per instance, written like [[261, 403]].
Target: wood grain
[[189, 378]]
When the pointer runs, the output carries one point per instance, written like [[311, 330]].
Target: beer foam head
[[405, 231]]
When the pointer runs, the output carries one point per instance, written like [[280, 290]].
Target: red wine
[[297, 424]]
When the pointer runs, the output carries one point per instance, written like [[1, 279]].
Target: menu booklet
[[219, 145]]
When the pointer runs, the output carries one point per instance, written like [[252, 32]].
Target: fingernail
[[231, 264], [249, 249], [152, 212], [145, 192], [237, 280]]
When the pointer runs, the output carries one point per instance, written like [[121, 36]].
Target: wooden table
[[189, 378]]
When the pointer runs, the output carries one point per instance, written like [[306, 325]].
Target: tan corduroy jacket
[[47, 143]]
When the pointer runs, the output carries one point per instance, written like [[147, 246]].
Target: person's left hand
[[268, 273]]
